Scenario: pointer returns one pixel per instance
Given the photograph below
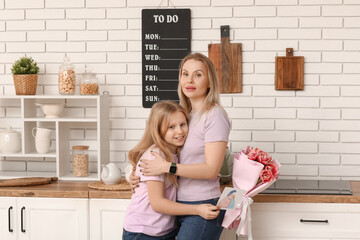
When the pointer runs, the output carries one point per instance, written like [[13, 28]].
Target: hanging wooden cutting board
[[26, 181], [227, 59], [289, 72]]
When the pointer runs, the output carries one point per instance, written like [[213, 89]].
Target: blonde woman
[[149, 215], [202, 155]]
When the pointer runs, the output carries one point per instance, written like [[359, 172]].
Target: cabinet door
[[8, 227], [107, 218], [53, 218]]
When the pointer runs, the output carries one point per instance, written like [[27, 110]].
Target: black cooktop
[[312, 187]]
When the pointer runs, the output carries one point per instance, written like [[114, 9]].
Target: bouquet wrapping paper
[[246, 176]]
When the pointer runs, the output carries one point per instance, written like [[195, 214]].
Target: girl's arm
[[163, 205], [214, 157]]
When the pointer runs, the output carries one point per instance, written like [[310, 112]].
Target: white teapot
[[111, 174], [10, 141]]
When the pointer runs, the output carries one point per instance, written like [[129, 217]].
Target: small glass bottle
[[89, 84], [80, 158], [67, 78]]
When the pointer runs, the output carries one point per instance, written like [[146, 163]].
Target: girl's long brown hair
[[213, 94], [156, 127]]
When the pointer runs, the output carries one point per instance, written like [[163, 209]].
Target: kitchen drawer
[[282, 220]]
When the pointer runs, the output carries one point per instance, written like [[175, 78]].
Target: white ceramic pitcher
[[111, 174], [42, 139]]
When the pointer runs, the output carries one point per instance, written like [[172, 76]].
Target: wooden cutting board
[[227, 59], [26, 181], [289, 72]]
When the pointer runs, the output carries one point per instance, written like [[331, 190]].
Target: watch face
[[172, 169]]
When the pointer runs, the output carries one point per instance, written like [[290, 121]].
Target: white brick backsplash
[[319, 2], [112, 46], [341, 34], [211, 34], [132, 90], [276, 45], [318, 159], [45, 14], [64, 3], [218, 12], [231, 2], [323, 22], [352, 22], [316, 91], [339, 148], [339, 79], [65, 24], [134, 68], [2, 112], [341, 56], [299, 33], [24, 4], [352, 45], [298, 102], [105, 3], [339, 171], [298, 147], [12, 36], [106, 24], [2, 48], [136, 113], [258, 56], [318, 45], [46, 36], [124, 13], [349, 137], [282, 22], [296, 11], [351, 68], [350, 91], [350, 159], [48, 57], [124, 79], [254, 11], [87, 57], [306, 125], [85, 13], [322, 68], [299, 170], [87, 35], [188, 3], [65, 47], [124, 35], [128, 101], [273, 136], [117, 112], [274, 113], [26, 25], [349, 102], [237, 23], [239, 113], [265, 146], [251, 102], [25, 47], [318, 113], [343, 125], [252, 124], [12, 14], [122, 145], [2, 3], [270, 91], [350, 113], [317, 136], [124, 57], [241, 34], [134, 134], [117, 134], [284, 158], [340, 10], [240, 135]]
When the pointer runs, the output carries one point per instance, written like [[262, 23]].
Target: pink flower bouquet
[[253, 171]]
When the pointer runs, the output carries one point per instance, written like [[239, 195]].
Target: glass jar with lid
[[67, 78], [89, 84], [80, 158]]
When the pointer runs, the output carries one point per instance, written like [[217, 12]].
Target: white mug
[[42, 146], [41, 133]]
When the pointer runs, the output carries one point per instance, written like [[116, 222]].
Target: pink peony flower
[[254, 153], [266, 176], [273, 168], [264, 158]]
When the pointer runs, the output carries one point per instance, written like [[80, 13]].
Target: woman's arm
[[214, 157], [160, 204]]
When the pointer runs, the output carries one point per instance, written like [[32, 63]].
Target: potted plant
[[25, 76]]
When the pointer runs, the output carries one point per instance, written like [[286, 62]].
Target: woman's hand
[[134, 180], [208, 211], [154, 167]]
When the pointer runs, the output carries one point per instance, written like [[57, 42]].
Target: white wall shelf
[[81, 112]]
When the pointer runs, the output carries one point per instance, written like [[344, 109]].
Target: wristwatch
[[173, 168]]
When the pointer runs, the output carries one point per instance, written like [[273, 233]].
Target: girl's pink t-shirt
[[140, 217], [213, 126]]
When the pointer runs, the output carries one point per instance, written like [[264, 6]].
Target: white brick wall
[[314, 133]]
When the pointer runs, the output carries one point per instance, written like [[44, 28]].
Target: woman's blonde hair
[[156, 128], [213, 93]]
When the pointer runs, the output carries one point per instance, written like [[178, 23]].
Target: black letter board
[[165, 42]]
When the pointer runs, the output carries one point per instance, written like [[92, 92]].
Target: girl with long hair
[[150, 214]]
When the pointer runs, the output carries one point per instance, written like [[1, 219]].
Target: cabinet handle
[[314, 221], [10, 229], [22, 219]]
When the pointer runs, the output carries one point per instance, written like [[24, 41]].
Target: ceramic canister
[[10, 141]]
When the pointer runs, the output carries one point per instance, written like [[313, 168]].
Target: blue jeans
[[140, 236], [197, 228]]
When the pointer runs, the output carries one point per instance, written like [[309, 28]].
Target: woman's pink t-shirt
[[140, 217], [213, 126]]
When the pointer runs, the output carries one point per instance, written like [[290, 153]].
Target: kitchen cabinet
[[305, 221], [83, 115], [43, 218]]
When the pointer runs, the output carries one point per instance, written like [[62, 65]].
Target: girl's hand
[[134, 180], [154, 167], [208, 211]]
